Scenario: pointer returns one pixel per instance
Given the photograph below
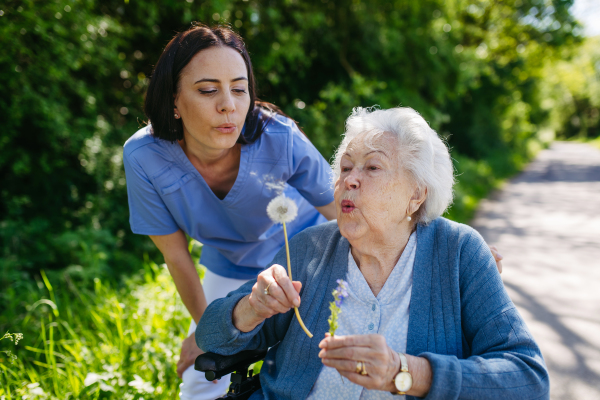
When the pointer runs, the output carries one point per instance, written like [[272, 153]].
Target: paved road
[[546, 223]]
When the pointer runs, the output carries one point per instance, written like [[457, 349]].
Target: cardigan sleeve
[[216, 333], [504, 361]]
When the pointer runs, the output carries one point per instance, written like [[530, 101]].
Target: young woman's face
[[212, 99]]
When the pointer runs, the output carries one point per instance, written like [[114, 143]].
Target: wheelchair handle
[[216, 366]]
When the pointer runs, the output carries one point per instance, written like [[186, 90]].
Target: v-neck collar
[[182, 159], [359, 286]]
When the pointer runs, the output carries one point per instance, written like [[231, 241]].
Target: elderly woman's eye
[[346, 169]]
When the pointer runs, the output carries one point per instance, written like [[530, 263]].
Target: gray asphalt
[[546, 223]]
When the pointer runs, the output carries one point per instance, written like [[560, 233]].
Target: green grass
[[118, 342]]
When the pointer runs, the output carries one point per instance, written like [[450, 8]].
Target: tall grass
[[95, 341]]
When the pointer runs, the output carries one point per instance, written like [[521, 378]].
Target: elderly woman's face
[[373, 191]]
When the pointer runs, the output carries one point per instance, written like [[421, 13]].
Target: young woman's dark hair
[[159, 102]]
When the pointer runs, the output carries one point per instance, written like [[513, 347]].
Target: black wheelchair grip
[[216, 366]]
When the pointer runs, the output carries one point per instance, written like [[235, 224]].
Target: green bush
[[74, 74]]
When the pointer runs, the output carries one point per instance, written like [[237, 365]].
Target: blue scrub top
[[166, 193]]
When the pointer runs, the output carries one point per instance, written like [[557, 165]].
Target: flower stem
[[289, 265]]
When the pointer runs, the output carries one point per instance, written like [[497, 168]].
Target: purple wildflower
[[339, 294], [342, 288]]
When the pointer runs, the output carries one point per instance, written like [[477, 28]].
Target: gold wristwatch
[[403, 380]]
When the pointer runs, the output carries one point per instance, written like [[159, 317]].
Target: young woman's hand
[[189, 352], [497, 256]]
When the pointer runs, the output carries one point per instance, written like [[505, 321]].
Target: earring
[[408, 218], [176, 115]]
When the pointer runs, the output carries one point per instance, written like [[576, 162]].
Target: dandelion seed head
[[282, 209], [277, 186]]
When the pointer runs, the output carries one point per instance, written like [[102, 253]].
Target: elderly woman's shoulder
[[317, 236], [459, 244], [450, 231]]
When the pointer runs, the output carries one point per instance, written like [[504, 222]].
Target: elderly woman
[[426, 314]]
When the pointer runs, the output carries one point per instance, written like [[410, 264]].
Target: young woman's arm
[[328, 211], [174, 248]]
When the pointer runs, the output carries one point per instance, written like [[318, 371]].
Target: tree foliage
[[73, 75]]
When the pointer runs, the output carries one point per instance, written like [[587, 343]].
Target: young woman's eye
[[210, 91], [239, 91]]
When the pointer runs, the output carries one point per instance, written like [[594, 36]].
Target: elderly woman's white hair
[[422, 153]]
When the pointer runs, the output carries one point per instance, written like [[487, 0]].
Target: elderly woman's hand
[[381, 363], [273, 293]]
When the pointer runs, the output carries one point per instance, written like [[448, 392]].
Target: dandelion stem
[[289, 265]]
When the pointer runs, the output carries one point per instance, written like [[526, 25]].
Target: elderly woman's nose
[[352, 180]]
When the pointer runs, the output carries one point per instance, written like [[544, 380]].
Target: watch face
[[403, 381]]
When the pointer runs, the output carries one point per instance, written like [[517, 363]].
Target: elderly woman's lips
[[347, 206]]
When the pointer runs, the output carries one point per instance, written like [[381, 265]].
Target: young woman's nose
[[226, 104]]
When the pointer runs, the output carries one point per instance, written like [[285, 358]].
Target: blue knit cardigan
[[461, 319]]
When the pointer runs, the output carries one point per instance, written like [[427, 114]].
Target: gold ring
[[359, 367], [363, 370], [267, 288]]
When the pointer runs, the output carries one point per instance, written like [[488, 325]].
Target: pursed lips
[[226, 128], [347, 206]]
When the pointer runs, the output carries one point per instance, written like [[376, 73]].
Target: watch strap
[[403, 363], [403, 368]]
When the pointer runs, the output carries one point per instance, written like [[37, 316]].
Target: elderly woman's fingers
[[342, 365], [285, 283], [261, 308], [297, 285], [276, 298], [345, 352], [333, 342], [368, 382], [275, 304], [375, 378], [351, 353], [265, 305], [274, 292]]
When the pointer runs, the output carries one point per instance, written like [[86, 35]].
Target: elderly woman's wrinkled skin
[[373, 197]]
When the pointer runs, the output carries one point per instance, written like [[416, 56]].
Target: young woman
[[207, 166]]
